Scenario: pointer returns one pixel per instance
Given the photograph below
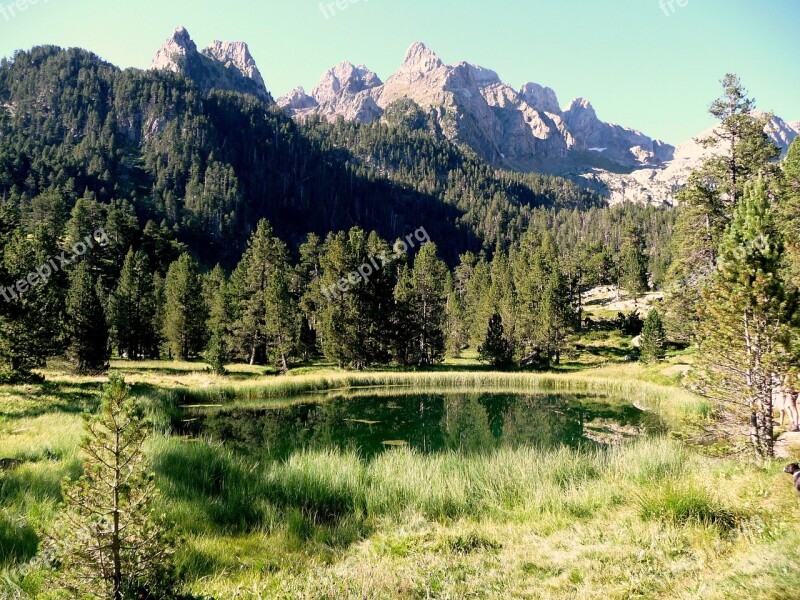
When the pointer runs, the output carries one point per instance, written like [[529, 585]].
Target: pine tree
[[133, 310], [422, 292], [654, 338], [745, 314], [457, 327], [29, 319], [544, 308], [496, 350], [87, 331], [185, 311], [748, 151], [282, 322], [218, 324], [357, 321], [264, 255], [633, 264], [789, 210], [107, 541], [477, 299], [742, 152]]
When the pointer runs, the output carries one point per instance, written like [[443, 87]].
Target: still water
[[372, 422]]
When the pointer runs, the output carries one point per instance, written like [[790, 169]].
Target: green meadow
[[655, 516]]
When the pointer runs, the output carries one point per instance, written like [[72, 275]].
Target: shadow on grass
[[206, 489], [50, 397]]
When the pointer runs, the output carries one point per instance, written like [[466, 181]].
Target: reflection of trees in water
[[466, 425], [543, 422], [428, 423]]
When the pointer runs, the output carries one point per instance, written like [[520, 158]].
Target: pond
[[371, 422]]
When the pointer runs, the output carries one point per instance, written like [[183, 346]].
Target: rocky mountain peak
[[223, 65], [236, 56], [297, 100], [540, 98], [173, 51], [420, 58], [181, 36], [524, 130], [345, 76], [483, 77], [581, 106]]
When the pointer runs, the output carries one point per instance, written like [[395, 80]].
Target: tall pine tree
[[744, 320], [87, 331], [185, 310]]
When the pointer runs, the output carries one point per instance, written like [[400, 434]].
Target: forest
[[243, 357]]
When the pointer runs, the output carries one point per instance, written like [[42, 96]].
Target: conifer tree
[[457, 328], [633, 264], [185, 310], [218, 324], [654, 338], [478, 300], [30, 317], [264, 255], [133, 310], [422, 292], [789, 210], [496, 349], [87, 331], [742, 151], [745, 314], [107, 541], [282, 322], [357, 321], [545, 310]]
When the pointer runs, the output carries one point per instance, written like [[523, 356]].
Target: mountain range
[[524, 130]]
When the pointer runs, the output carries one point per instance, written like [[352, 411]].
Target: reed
[[670, 402]]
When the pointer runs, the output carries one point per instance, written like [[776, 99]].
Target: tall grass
[[205, 483], [670, 402]]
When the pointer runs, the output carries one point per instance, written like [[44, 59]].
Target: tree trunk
[[115, 539]]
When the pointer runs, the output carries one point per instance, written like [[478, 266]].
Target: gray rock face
[[524, 130], [236, 56], [174, 51], [345, 91], [540, 98], [626, 147], [660, 185], [297, 102], [223, 65]]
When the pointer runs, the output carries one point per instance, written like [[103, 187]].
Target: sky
[[654, 65]]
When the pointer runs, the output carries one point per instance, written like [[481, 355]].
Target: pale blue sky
[[641, 65]]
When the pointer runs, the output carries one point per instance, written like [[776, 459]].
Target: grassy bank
[[652, 518], [670, 402]]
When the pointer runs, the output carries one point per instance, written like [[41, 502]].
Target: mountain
[[222, 65], [660, 185], [524, 130], [207, 163]]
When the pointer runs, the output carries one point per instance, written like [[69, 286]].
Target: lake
[[371, 422]]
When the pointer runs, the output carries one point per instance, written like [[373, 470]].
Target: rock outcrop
[[236, 56], [223, 65], [524, 130]]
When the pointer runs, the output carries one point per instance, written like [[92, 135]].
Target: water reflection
[[466, 423]]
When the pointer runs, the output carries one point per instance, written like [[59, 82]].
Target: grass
[[648, 519], [652, 518]]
